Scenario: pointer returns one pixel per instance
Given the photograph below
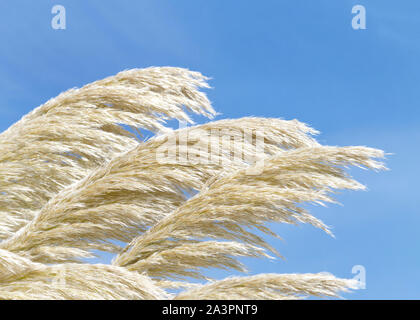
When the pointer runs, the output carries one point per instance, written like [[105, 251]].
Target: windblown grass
[[73, 180], [135, 190], [270, 286], [23, 279], [61, 141], [230, 204]]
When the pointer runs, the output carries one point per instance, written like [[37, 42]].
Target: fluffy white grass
[[136, 189], [23, 279], [64, 139], [228, 207], [72, 180], [271, 286]]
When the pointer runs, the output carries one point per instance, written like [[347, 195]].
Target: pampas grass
[[21, 278], [61, 141], [136, 190], [229, 205], [74, 181], [270, 286]]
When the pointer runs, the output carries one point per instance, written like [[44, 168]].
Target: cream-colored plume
[[63, 140], [21, 279], [74, 180], [138, 188], [271, 286], [229, 207]]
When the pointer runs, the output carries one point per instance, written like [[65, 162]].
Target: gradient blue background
[[291, 59]]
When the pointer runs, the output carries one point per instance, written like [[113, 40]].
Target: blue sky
[[289, 59]]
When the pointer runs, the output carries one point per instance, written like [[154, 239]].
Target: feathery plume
[[138, 188], [178, 245], [61, 141], [23, 279], [270, 286], [73, 180]]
